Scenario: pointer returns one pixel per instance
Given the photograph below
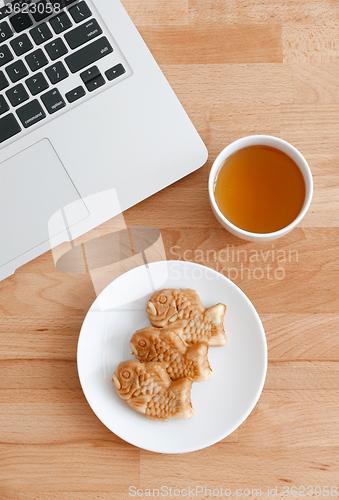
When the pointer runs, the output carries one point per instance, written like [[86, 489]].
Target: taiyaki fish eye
[[126, 374], [142, 343], [162, 299]]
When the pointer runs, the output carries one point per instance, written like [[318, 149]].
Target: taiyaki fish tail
[[198, 354], [216, 315], [182, 391]]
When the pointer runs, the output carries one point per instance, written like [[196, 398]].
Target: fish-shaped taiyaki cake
[[183, 312], [147, 388], [179, 360]]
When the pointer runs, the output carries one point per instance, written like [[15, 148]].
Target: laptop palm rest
[[34, 186]]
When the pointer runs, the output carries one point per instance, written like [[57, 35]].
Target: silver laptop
[[84, 110]]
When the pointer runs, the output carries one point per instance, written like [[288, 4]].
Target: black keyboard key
[[89, 54], [36, 60], [36, 83], [92, 78], [40, 10], [16, 71], [31, 113], [5, 55], [75, 94], [56, 49], [21, 44], [3, 105], [8, 127], [20, 22], [83, 34], [57, 72], [60, 23], [94, 84], [17, 95], [89, 74], [3, 81], [53, 101], [114, 72], [5, 31], [41, 33], [4, 12], [80, 12]]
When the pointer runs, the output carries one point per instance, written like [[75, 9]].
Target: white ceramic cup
[[262, 140]]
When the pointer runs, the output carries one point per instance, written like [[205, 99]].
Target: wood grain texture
[[239, 67], [187, 45]]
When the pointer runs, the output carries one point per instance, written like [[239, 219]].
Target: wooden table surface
[[239, 67]]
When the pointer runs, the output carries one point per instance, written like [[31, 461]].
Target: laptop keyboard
[[50, 53]]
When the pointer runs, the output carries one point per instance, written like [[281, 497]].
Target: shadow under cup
[[271, 142]]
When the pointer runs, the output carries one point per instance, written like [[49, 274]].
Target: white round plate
[[220, 404]]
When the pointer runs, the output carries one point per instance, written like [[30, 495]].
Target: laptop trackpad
[[34, 185]]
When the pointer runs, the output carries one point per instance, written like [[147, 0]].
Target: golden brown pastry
[[147, 388], [179, 360], [183, 312]]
